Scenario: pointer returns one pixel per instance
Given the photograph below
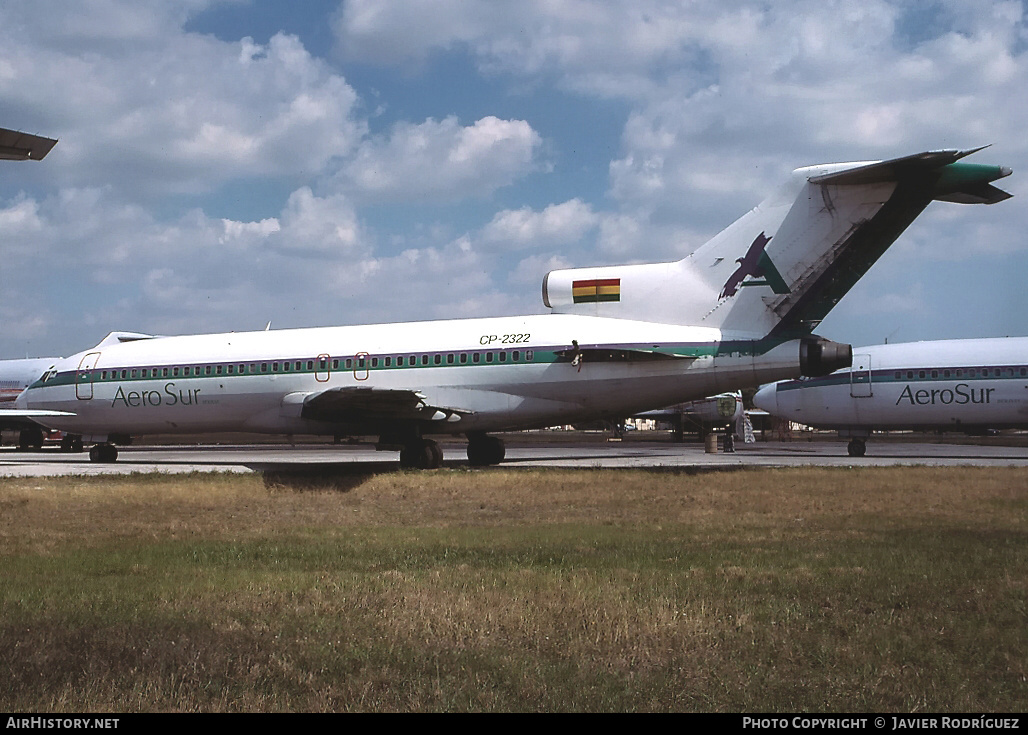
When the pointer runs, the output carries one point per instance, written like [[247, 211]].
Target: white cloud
[[441, 160], [143, 105], [311, 223], [556, 225]]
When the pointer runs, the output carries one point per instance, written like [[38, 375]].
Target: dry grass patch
[[776, 590]]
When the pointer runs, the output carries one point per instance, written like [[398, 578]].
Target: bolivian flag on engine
[[596, 290]]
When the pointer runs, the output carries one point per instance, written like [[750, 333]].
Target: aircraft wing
[[13, 418], [16, 146], [371, 405], [606, 354]]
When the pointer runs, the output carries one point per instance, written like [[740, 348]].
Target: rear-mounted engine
[[819, 356]]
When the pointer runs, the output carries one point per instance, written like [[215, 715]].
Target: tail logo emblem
[[757, 265]]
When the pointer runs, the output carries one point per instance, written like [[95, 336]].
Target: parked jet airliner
[[738, 312], [949, 385]]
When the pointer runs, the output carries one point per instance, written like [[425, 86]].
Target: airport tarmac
[[570, 452]]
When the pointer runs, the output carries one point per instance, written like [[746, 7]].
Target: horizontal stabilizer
[[16, 146], [984, 194], [873, 173], [963, 183]]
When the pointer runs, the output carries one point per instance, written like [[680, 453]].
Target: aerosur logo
[[756, 265]]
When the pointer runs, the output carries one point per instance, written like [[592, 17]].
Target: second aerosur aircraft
[[738, 312]]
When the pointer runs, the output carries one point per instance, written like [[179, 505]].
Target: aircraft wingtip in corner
[[18, 146], [738, 312]]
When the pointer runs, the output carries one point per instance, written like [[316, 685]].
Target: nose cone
[[766, 399]]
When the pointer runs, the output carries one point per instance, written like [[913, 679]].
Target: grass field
[[879, 589]]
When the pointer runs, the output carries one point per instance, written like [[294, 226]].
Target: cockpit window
[[51, 372]]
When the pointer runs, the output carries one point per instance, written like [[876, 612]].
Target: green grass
[[786, 590]]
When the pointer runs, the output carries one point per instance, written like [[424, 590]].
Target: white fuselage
[[17, 375], [948, 384], [497, 374]]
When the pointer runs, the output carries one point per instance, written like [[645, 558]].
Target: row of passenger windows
[[358, 362], [965, 373]]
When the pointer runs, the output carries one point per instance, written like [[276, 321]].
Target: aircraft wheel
[[485, 450], [857, 447], [30, 439], [423, 454], [105, 453], [71, 443]]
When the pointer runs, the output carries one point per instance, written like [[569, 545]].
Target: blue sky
[[223, 164]]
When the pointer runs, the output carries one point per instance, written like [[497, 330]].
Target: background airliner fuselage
[[954, 385]]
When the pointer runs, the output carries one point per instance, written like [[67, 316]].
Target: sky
[[223, 164]]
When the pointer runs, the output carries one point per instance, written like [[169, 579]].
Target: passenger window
[[388, 361], [476, 357], [529, 355], [438, 359], [424, 359], [464, 358], [517, 355], [489, 357], [399, 362], [503, 357], [449, 359]]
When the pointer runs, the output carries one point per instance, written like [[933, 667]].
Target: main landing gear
[[484, 450], [421, 454], [425, 454], [105, 453], [856, 447]]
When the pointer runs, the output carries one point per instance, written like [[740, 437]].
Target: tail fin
[[780, 268]]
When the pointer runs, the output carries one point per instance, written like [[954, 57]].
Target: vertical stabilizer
[[780, 268]]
